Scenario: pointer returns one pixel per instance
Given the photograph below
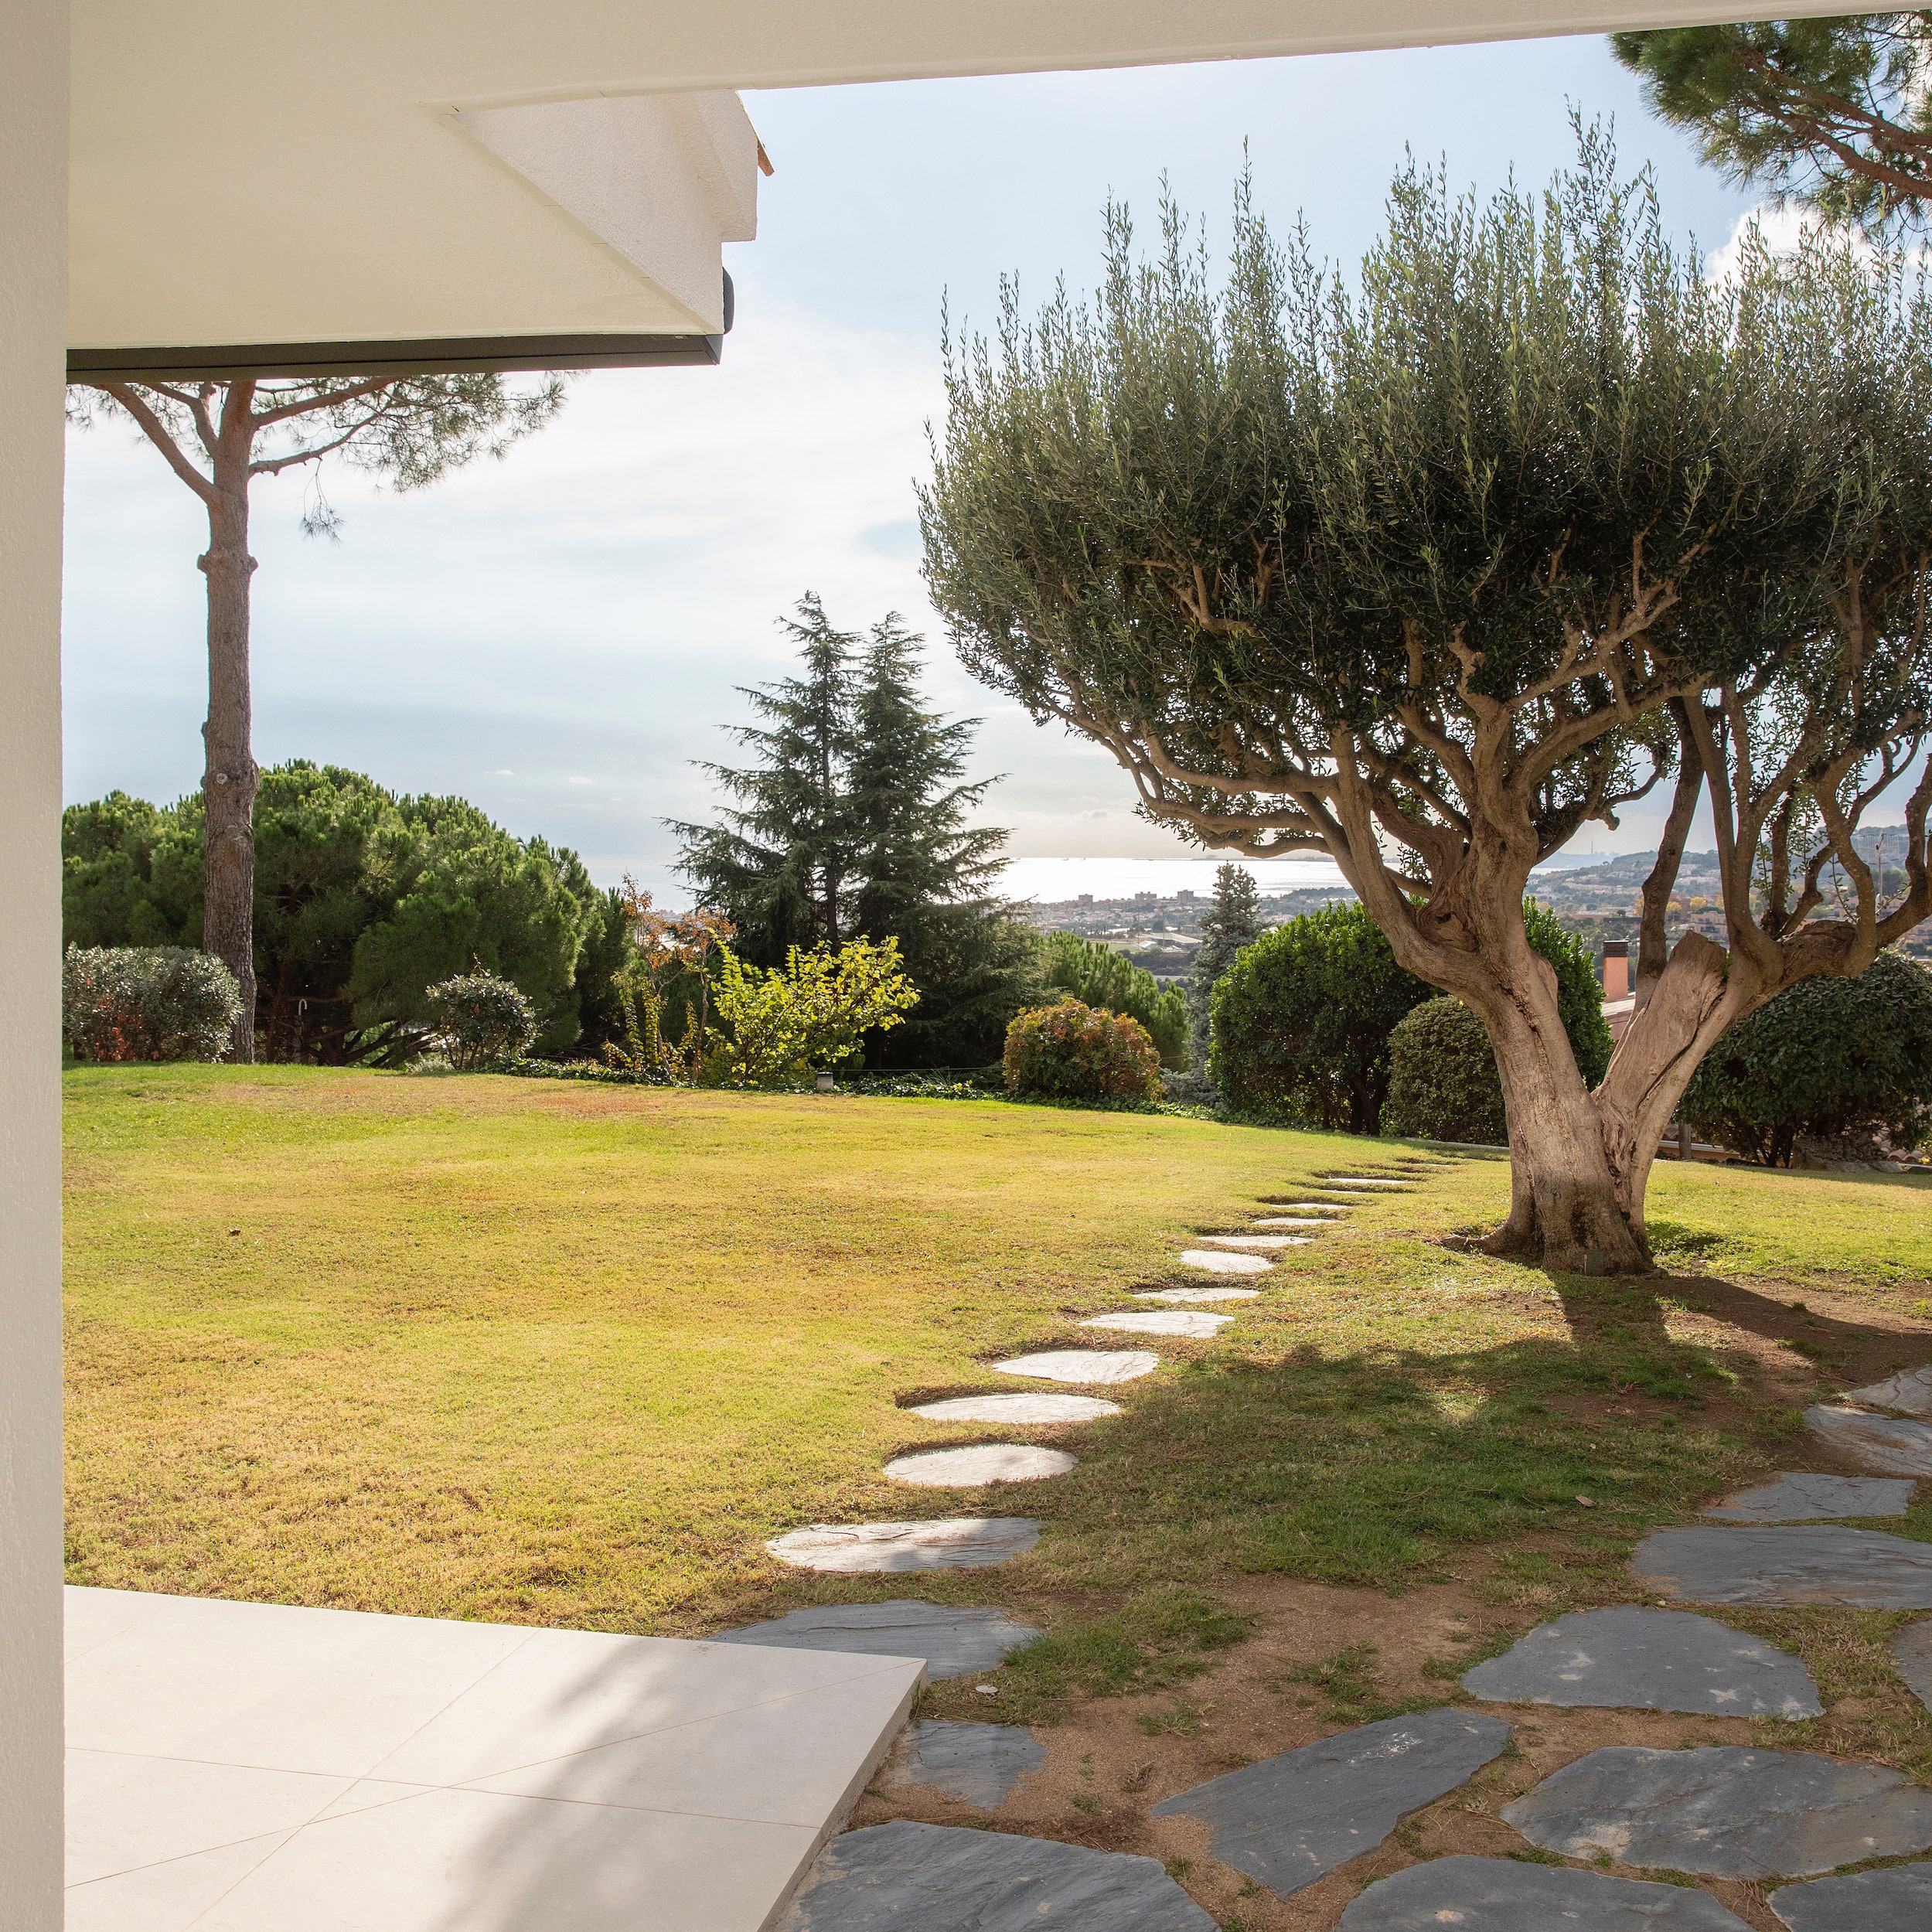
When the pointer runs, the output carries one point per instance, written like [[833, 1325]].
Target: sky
[[559, 636]]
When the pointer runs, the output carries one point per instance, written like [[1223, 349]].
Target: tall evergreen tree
[[927, 875], [782, 863], [856, 823], [1232, 922]]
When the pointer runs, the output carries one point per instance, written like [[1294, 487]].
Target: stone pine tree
[[1430, 567], [1232, 921], [1834, 114], [220, 439], [781, 866]]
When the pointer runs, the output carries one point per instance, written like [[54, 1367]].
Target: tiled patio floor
[[241, 1767]]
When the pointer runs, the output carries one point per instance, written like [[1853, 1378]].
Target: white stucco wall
[[33, 255]]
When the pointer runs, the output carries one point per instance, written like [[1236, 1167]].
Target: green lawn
[[486, 1347]]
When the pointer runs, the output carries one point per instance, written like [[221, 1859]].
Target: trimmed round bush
[[1443, 1082], [1827, 1060], [481, 1021], [147, 1002], [1075, 1052]]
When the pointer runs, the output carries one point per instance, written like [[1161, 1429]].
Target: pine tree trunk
[[229, 780]]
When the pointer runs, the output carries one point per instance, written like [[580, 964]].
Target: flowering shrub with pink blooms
[[1076, 1052]]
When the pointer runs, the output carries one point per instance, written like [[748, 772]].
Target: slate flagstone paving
[[1898, 1899], [982, 1463], [1797, 1497], [953, 1641], [977, 1763], [1888, 1444], [953, 1543], [1030, 1407], [1289, 1820], [1725, 1812], [1807, 1563], [1164, 1321], [1097, 1365], [1912, 1655], [936, 1877], [1625, 1657], [1910, 1389], [1499, 1895]]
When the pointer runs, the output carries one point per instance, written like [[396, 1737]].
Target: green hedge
[[1076, 1052]]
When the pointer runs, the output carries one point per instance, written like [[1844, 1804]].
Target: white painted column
[[33, 327]]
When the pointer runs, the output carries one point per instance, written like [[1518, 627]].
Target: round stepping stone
[[1820, 1563], [1799, 1497], [1197, 1294], [954, 1642], [1029, 1407], [1896, 1900], [1174, 1321], [1290, 1221], [1884, 1443], [1499, 1895], [977, 1763], [1360, 1180], [1625, 1657], [1290, 1820], [951, 1542], [1256, 1243], [1910, 1389], [1725, 1812], [982, 1462], [1329, 1207], [1217, 1262], [1100, 1366], [1912, 1653], [939, 1877]]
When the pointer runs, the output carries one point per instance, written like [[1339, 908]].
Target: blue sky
[[557, 636]]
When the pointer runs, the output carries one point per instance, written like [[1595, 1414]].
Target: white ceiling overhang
[[479, 183]]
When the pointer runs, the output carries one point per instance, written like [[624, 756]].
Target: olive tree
[[1428, 570], [218, 437]]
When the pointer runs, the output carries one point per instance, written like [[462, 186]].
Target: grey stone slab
[[1807, 1563], [1311, 1207], [1289, 1820], [1887, 1443], [1197, 1294], [1499, 1895], [1725, 1812], [979, 1463], [1910, 1389], [954, 1642], [977, 1763], [1291, 1221], [954, 1543], [1040, 1408], [1650, 1660], [1162, 1321], [1100, 1366], [1216, 1261], [1799, 1496], [904, 1877], [1360, 1180], [1896, 1900], [1912, 1653], [1255, 1244]]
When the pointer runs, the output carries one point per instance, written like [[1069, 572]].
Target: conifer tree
[[1232, 922], [781, 865]]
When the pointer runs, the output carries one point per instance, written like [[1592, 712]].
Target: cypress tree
[[781, 864], [1232, 922]]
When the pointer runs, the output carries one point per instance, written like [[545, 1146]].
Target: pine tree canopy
[[1232, 921]]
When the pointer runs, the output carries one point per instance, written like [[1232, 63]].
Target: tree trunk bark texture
[[230, 777]]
